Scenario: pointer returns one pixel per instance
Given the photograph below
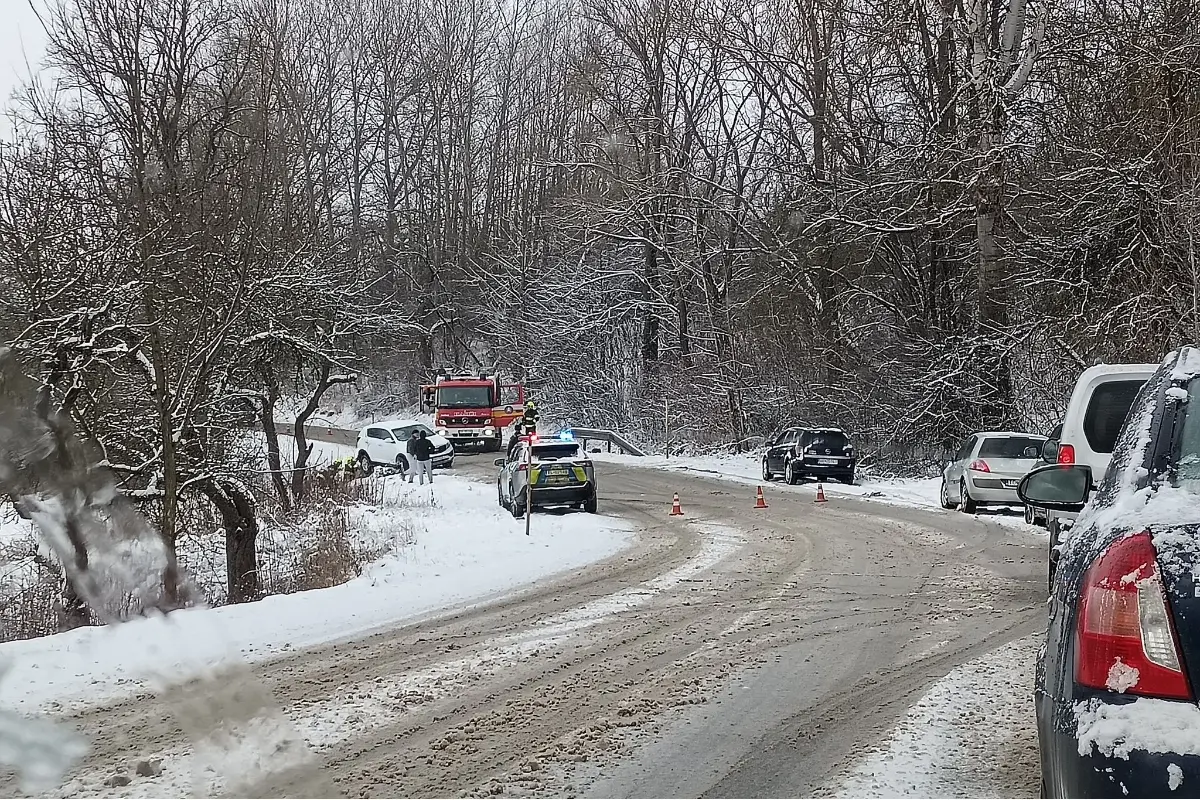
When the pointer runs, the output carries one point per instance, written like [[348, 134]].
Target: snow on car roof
[[1010, 435], [397, 423], [1188, 366]]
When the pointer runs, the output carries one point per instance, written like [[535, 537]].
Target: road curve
[[731, 652]]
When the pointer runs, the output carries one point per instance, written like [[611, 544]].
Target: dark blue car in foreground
[[1116, 683]]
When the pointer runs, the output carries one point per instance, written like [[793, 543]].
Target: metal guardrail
[[611, 437]]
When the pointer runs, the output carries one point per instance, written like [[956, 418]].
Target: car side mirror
[[1050, 451], [1058, 487], [499, 462], [1031, 452]]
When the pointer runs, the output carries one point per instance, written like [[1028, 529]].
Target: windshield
[[405, 433], [1106, 413], [554, 452], [1011, 447], [464, 397]]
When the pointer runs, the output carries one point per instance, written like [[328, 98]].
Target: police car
[[558, 469]]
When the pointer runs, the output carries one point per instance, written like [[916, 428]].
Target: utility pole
[[528, 481]]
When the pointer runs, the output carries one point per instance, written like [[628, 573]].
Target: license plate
[[832, 462], [557, 476], [1010, 484]]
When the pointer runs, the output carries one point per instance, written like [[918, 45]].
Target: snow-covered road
[[747, 470], [731, 652]]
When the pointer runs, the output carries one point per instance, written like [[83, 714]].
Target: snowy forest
[[686, 221]]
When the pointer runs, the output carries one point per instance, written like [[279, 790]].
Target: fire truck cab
[[472, 410]]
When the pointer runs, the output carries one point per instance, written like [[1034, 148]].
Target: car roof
[[397, 423], [1010, 435], [1117, 371], [814, 429]]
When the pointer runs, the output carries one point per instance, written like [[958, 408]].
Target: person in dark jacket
[[529, 419], [421, 450], [515, 439]]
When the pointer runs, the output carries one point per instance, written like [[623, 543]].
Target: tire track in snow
[[245, 751]]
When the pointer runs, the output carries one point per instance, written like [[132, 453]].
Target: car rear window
[[554, 452], [1106, 412], [1009, 447], [1187, 469], [825, 440]]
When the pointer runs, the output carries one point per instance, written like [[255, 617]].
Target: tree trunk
[[74, 612], [304, 448], [241, 539], [650, 324], [274, 460]]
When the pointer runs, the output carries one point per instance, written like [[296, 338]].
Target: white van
[[1095, 414]]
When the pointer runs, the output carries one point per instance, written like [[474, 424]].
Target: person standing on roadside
[[516, 436], [422, 452]]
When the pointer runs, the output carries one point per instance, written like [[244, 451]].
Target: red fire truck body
[[473, 410]]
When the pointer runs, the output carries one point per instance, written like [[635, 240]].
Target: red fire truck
[[473, 410]]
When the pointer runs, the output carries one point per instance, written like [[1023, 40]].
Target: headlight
[[440, 430], [489, 431]]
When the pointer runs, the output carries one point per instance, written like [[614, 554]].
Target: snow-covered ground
[[341, 413], [971, 735], [442, 549], [747, 470]]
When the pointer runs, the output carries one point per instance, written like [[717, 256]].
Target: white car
[[1095, 414], [987, 468], [386, 444]]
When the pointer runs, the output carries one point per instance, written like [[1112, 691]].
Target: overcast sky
[[22, 45]]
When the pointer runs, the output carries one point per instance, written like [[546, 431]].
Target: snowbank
[[971, 735], [464, 548], [747, 469]]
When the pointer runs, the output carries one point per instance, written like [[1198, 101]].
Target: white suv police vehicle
[[552, 471]]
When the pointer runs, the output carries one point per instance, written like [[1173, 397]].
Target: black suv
[[799, 453]]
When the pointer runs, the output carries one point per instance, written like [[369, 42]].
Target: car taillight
[[979, 465], [1066, 454], [1125, 641]]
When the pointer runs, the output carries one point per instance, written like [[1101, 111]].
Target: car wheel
[[966, 504], [767, 476], [849, 479], [500, 495], [944, 496], [517, 507], [591, 504], [364, 464], [402, 463], [1029, 518], [789, 474]]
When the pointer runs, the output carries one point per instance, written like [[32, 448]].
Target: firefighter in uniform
[[530, 418], [525, 425]]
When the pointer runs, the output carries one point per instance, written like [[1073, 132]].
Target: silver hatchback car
[[987, 468]]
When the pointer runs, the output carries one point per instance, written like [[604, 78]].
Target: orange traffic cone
[[760, 501], [820, 493], [676, 511]]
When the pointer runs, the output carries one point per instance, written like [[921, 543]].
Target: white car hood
[[438, 441]]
